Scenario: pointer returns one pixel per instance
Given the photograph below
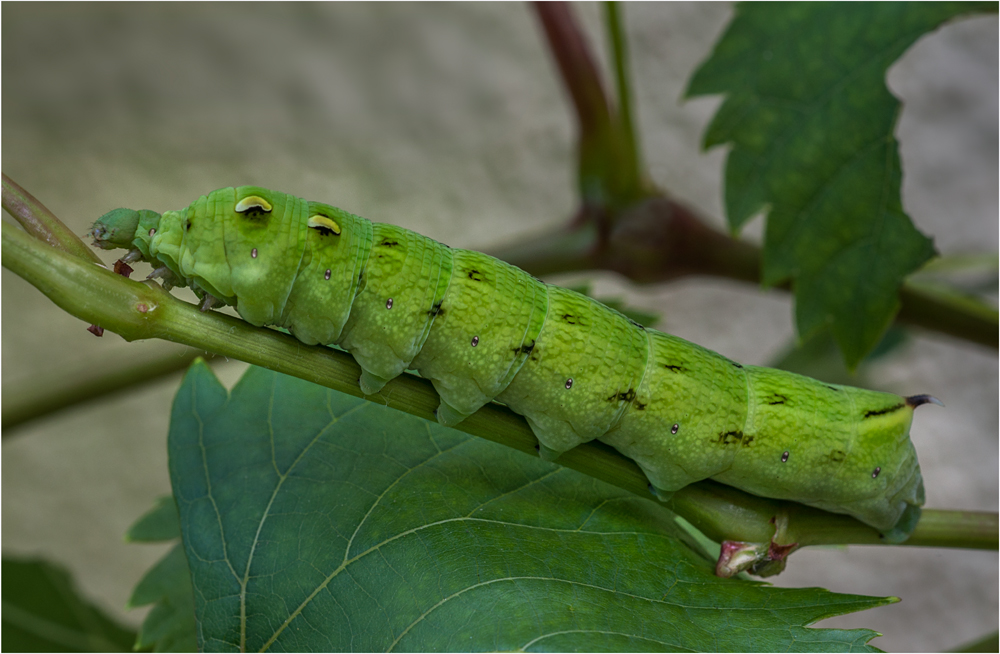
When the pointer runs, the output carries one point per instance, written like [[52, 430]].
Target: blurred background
[[448, 119]]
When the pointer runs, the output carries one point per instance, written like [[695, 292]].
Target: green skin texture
[[480, 329]]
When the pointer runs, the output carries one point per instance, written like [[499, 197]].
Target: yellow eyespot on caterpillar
[[253, 202], [324, 224], [397, 300]]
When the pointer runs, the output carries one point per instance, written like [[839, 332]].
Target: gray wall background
[[449, 120]]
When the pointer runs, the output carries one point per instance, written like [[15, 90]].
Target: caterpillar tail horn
[[916, 400]]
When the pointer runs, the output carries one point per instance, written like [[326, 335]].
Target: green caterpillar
[[483, 330]]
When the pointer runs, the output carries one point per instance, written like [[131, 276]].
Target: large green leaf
[[42, 612], [811, 125], [317, 521], [170, 625]]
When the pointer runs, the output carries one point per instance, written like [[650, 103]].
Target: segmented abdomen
[[480, 329]]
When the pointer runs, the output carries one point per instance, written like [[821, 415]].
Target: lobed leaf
[[810, 122], [317, 521], [170, 625]]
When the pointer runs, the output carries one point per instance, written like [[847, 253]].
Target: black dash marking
[[525, 349], [255, 213], [570, 318], [386, 243], [777, 399], [833, 388], [882, 412], [729, 437], [475, 275], [635, 324], [674, 368], [627, 396], [837, 455], [436, 310], [736, 364], [323, 230]]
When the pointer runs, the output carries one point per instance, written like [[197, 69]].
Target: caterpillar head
[[121, 228]]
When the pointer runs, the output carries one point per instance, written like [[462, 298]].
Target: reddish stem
[[576, 65]]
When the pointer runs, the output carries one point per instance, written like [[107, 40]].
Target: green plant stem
[[940, 309], [41, 398], [619, 52], [660, 240], [144, 310]]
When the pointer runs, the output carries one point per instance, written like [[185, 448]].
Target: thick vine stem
[[144, 310], [659, 239]]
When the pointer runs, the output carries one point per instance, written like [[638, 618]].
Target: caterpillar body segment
[[495, 313], [480, 329]]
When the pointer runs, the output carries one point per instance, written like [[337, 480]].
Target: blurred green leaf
[[317, 521], [988, 643], [811, 125], [43, 612]]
